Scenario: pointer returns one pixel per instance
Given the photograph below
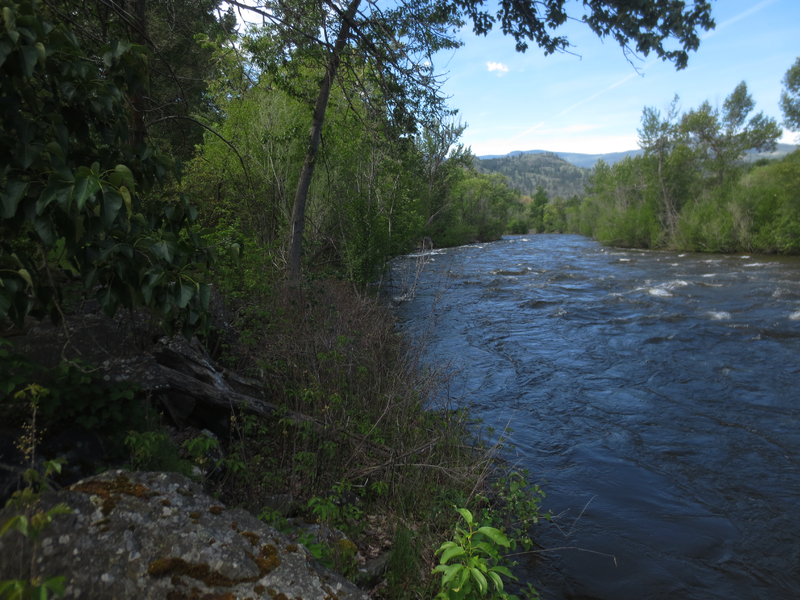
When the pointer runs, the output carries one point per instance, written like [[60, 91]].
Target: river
[[656, 393]]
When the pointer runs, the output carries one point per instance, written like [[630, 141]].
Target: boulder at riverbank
[[158, 536]]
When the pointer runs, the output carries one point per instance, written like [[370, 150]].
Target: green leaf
[[55, 585], [18, 522], [26, 276], [448, 572], [112, 203], [28, 58], [27, 154], [233, 252], [204, 291], [466, 514], [486, 547], [185, 294], [14, 192], [5, 50], [479, 579], [127, 176], [118, 47], [5, 304], [108, 301], [498, 583], [86, 185], [503, 571], [55, 149], [12, 588], [126, 197], [451, 553], [61, 508], [161, 250], [495, 535], [44, 227], [464, 578], [41, 53]]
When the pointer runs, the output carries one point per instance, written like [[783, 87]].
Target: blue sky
[[592, 103]]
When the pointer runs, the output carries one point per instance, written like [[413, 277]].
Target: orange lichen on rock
[[175, 567], [110, 491], [250, 537], [268, 559]]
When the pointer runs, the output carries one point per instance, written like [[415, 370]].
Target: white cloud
[[496, 66]]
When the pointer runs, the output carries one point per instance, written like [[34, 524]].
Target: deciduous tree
[[73, 186], [663, 143], [399, 39], [724, 136], [790, 97]]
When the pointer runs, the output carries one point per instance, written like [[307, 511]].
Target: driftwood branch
[[203, 386]]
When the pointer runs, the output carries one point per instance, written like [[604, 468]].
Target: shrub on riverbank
[[363, 441]]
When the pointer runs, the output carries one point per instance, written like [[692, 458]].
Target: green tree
[[671, 161], [538, 202], [442, 158], [722, 137], [790, 97], [619, 211], [76, 194], [175, 110], [398, 41]]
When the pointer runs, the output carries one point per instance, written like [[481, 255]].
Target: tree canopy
[[790, 97], [397, 41]]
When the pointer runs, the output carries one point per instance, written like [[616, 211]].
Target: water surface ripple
[[659, 388]]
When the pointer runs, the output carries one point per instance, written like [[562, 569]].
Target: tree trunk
[[669, 206], [299, 209]]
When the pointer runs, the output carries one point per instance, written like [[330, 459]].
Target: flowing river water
[[657, 393]]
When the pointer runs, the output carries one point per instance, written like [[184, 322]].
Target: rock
[[157, 535], [373, 571]]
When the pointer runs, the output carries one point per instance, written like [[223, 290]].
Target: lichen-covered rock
[[157, 535]]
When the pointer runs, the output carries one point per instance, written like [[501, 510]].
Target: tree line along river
[[656, 393]]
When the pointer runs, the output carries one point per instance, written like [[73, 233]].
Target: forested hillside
[[526, 172]]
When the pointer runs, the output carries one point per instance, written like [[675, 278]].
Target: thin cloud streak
[[584, 101], [526, 132], [739, 17]]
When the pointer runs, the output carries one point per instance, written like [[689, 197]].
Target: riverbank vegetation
[[153, 154], [690, 190]]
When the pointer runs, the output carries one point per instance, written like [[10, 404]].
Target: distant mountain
[[782, 150], [527, 170], [587, 161]]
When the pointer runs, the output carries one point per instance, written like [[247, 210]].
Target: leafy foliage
[[31, 524], [722, 137], [75, 393], [28, 521], [691, 190], [475, 554], [74, 190], [790, 97]]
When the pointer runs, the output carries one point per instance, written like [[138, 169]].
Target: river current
[[656, 393]]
